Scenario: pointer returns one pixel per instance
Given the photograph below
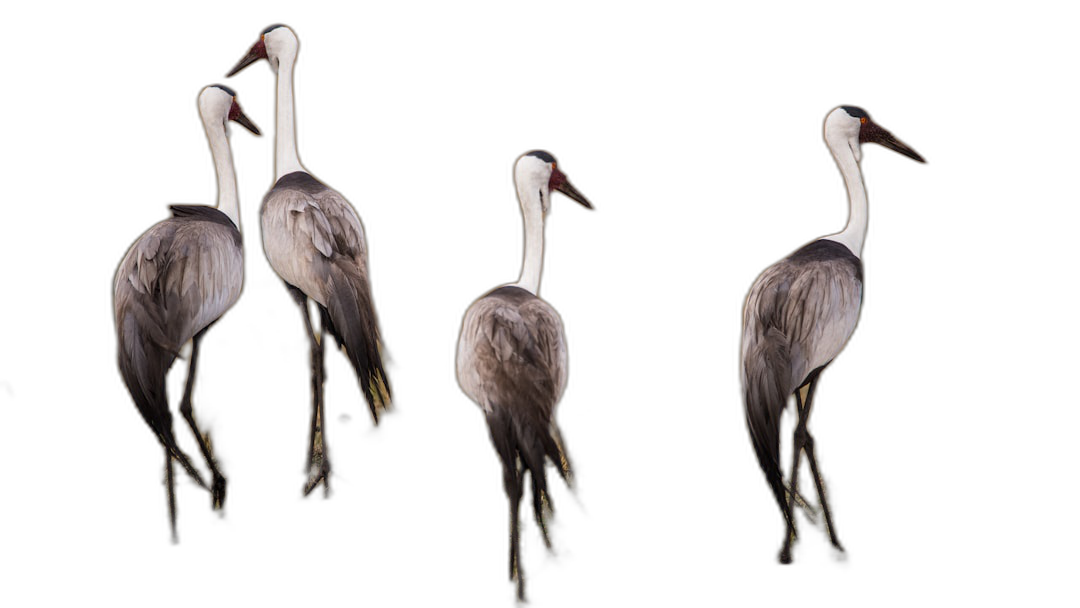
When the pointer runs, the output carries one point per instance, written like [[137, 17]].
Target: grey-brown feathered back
[[512, 362], [180, 276], [314, 241], [512, 346], [798, 315]]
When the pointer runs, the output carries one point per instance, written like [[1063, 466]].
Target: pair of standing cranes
[[185, 272]]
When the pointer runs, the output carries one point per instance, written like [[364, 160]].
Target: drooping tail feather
[[353, 324], [525, 447], [765, 366], [143, 363], [143, 366]]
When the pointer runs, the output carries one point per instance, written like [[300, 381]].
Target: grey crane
[[173, 283], [798, 316], [315, 242], [511, 358]]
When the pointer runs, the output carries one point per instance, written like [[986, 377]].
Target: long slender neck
[[228, 202], [854, 234], [286, 158], [533, 264]]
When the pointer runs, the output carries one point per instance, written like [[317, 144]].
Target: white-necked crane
[[315, 242], [176, 281], [511, 358], [798, 316]]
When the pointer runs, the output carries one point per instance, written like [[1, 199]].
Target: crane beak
[[257, 52], [237, 115], [560, 183], [872, 133]]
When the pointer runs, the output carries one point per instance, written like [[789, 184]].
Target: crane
[[799, 314], [314, 241], [173, 283], [511, 359]]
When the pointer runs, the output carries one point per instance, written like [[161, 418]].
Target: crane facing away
[[511, 359], [798, 316], [176, 281], [315, 242]]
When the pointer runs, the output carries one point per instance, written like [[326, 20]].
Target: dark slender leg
[[180, 456], [165, 437], [318, 455], [797, 448], [217, 488], [501, 426], [170, 479], [170, 491], [809, 446], [514, 484], [802, 441]]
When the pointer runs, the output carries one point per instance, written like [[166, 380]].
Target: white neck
[[286, 158], [532, 211], [854, 234], [228, 202]]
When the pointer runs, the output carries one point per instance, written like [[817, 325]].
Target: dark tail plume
[[353, 324], [523, 443], [766, 395], [143, 363]]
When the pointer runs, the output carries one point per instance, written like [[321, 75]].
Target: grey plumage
[[511, 358], [314, 241], [512, 362], [515, 372], [176, 280], [798, 316]]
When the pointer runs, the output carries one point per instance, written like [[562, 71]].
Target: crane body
[[799, 314], [173, 283], [512, 360], [314, 240]]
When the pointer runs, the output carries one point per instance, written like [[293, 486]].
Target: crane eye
[[863, 120]]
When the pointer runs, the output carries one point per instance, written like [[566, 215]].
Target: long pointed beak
[[890, 142], [570, 191], [560, 183], [872, 133], [237, 115], [257, 52]]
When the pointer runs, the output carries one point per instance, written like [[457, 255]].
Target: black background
[[705, 161]]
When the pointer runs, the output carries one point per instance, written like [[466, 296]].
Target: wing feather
[[512, 352], [304, 229], [799, 314], [179, 276], [512, 362]]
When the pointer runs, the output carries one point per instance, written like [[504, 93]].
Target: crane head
[[538, 171], [274, 42], [218, 103], [853, 124]]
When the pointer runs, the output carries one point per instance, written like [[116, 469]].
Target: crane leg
[[808, 445], [170, 492], [318, 455], [803, 402], [804, 442], [501, 428], [170, 479], [514, 490], [797, 448], [217, 487]]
